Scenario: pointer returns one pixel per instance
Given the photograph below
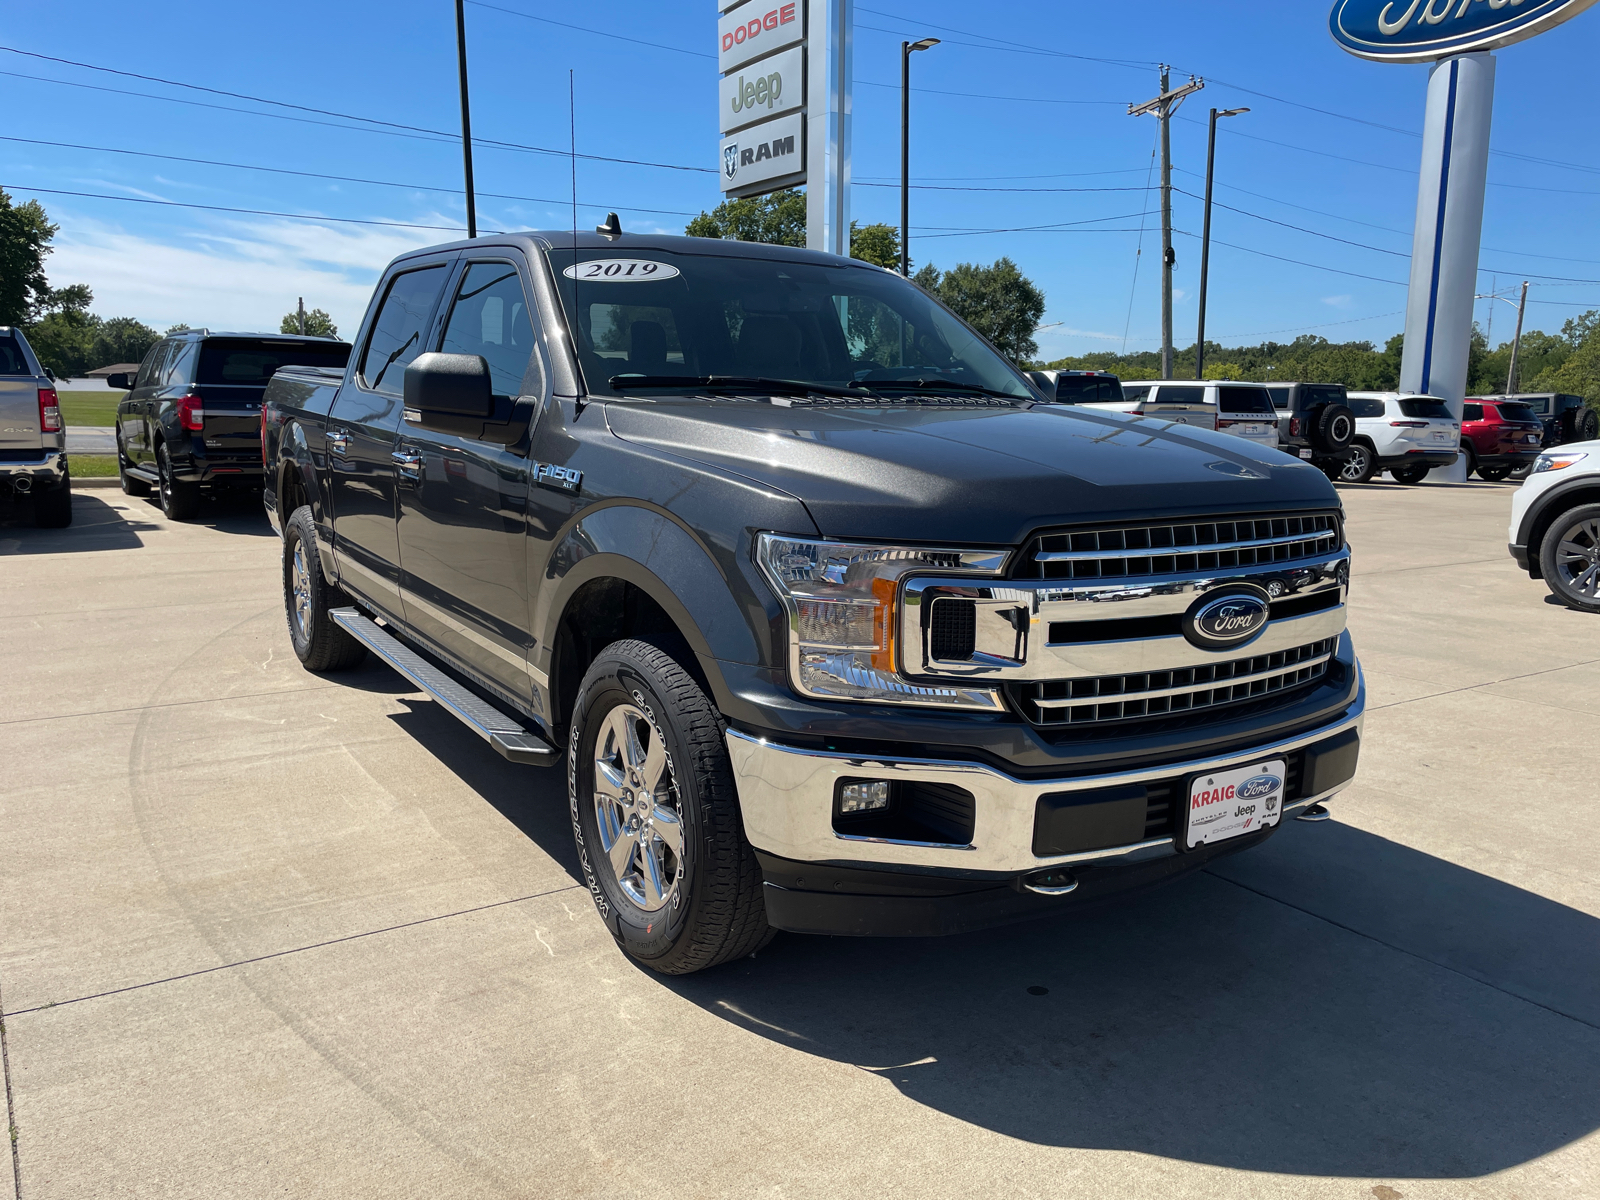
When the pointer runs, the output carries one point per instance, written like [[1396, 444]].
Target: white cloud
[[237, 275], [1343, 301]]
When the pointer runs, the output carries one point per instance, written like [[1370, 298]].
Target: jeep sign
[[755, 158], [764, 89]]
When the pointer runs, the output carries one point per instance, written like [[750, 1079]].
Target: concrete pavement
[[268, 933]]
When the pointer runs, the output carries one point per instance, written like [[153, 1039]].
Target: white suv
[[1555, 524], [1404, 434], [1241, 409]]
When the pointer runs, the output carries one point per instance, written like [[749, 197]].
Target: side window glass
[[150, 369], [490, 319], [1472, 412], [397, 334]]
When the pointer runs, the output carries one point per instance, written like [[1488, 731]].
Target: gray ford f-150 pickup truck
[[838, 628]]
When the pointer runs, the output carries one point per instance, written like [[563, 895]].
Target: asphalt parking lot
[[265, 933]]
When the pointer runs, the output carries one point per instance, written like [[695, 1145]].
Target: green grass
[[90, 408], [93, 466]]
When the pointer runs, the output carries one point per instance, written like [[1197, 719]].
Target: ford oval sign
[[1220, 622], [1258, 787], [1424, 30]]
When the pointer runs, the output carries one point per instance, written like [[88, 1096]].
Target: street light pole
[[906, 50], [1205, 238], [466, 118]]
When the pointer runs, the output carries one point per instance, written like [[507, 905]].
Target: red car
[[1498, 436]]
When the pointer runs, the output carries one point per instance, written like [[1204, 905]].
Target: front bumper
[[786, 794], [1520, 554], [44, 471]]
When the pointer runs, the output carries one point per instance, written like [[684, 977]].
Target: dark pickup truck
[[837, 626]]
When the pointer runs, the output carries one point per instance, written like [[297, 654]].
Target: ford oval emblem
[[1426, 30], [1258, 786], [1218, 622]]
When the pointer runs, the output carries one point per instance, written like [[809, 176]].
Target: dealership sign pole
[[1455, 36], [784, 107]]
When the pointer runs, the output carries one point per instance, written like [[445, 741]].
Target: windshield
[[1517, 412], [251, 363], [1425, 407], [659, 313]]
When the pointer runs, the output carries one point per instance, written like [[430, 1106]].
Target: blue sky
[[1001, 104]]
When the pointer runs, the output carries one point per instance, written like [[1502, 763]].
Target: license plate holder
[[1220, 805]]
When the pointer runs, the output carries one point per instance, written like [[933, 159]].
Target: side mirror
[[120, 381], [455, 384]]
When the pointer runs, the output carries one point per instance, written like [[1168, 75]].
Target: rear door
[[1523, 431], [1247, 412], [1181, 403], [363, 426], [1426, 424], [19, 401], [231, 378]]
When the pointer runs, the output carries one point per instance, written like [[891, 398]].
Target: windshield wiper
[[741, 383], [943, 384]]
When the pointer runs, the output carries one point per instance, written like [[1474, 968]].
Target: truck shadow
[[1330, 1004], [96, 525]]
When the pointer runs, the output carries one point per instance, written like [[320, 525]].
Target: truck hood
[[974, 476]]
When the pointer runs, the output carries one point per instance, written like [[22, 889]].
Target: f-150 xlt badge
[[562, 478], [1219, 622]]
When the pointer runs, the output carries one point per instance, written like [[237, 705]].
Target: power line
[[1000, 43], [1297, 228], [1303, 328], [585, 29], [418, 187], [1297, 262]]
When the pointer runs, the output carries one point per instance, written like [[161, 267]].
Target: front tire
[[319, 643], [1569, 558], [1360, 466], [655, 815]]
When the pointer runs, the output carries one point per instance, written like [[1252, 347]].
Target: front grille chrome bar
[[1221, 682], [1061, 556]]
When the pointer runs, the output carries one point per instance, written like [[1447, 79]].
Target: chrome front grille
[[1181, 548], [1105, 698]]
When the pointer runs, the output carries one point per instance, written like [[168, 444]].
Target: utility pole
[[466, 118], [1205, 239], [1164, 106], [1516, 343], [302, 316]]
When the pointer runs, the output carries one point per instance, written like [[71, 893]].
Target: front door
[[361, 437], [134, 419], [463, 500]]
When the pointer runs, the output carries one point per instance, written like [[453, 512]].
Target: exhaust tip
[[22, 484]]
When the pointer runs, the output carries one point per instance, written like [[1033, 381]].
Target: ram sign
[[764, 157]]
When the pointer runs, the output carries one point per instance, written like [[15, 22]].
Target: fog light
[[864, 797]]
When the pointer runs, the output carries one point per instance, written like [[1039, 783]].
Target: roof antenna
[[572, 128], [612, 228]]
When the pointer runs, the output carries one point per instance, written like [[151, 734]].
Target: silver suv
[[33, 438]]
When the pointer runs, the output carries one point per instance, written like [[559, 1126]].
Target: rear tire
[[1586, 425], [131, 486], [1493, 474], [1360, 466], [1569, 558], [52, 508], [318, 642], [1409, 474], [179, 501], [656, 815]]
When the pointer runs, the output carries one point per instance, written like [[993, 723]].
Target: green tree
[[878, 244], [64, 341], [1578, 330], [999, 301], [318, 324], [25, 235], [779, 219], [121, 340]]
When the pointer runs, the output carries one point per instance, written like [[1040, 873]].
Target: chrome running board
[[510, 740]]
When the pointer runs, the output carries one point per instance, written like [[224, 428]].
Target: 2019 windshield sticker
[[621, 270]]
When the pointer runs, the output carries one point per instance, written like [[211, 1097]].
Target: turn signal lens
[[49, 411], [1556, 462], [842, 601]]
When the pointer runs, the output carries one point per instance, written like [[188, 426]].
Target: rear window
[[1135, 393], [1540, 406], [1363, 407], [1517, 412], [1314, 394], [1242, 400], [1425, 408], [1087, 389], [251, 363], [11, 360], [1180, 395]]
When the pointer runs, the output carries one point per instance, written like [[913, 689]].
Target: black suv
[[192, 416], [1566, 418], [1314, 423]]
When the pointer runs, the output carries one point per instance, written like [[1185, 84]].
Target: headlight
[[843, 604], [1556, 462]]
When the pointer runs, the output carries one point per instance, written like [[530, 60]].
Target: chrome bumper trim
[[786, 795], [49, 462]]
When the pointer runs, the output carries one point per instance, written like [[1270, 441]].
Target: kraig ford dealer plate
[[1231, 803]]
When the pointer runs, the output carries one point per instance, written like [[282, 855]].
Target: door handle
[[339, 442], [409, 464]]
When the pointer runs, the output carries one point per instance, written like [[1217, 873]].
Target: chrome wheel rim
[[636, 809], [1355, 466], [1578, 558], [300, 589]]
